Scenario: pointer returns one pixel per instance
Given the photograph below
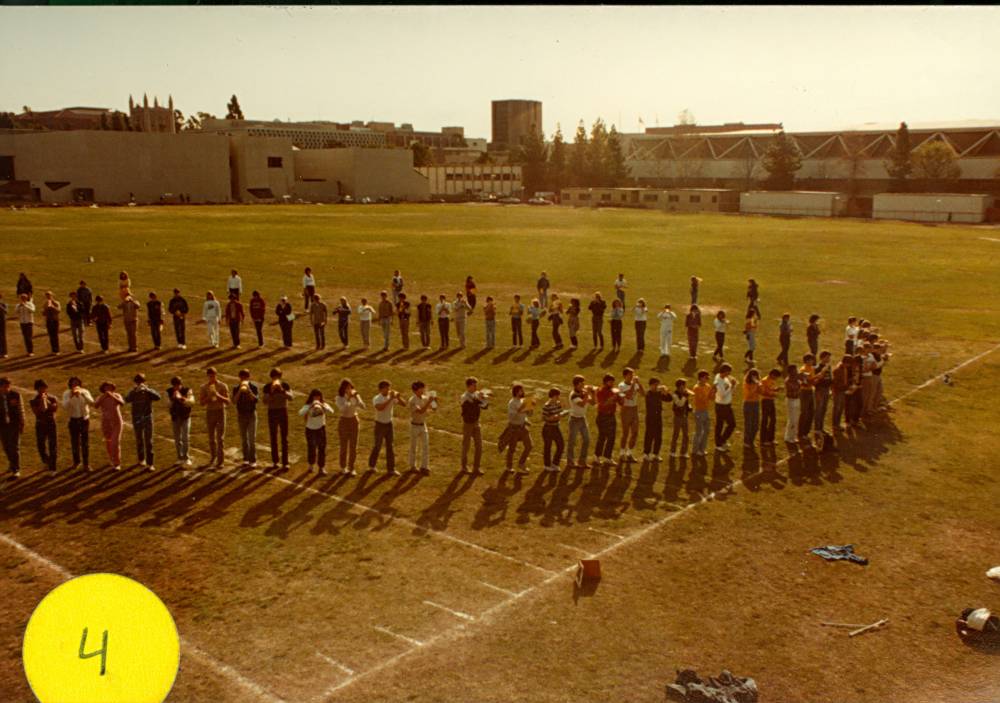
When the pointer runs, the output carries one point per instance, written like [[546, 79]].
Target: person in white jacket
[[211, 313], [25, 310], [666, 317], [315, 411]]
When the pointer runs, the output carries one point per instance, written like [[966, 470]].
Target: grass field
[[298, 587]]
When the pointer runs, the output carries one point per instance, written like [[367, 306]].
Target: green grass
[[269, 575]]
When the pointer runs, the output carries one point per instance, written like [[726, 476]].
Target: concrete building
[[261, 168], [114, 167], [304, 135], [513, 120], [793, 202], [932, 207], [152, 119], [460, 182], [328, 174], [670, 200]]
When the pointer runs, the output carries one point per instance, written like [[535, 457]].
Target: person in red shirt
[[258, 308], [608, 399], [234, 316]]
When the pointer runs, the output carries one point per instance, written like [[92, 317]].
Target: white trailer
[[793, 202], [931, 207]]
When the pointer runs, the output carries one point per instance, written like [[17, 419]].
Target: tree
[[936, 160], [781, 161], [233, 110], [578, 159], [617, 169], [127, 121], [899, 165], [533, 155], [597, 154], [421, 154], [105, 124], [178, 120], [117, 121], [557, 161], [6, 120]]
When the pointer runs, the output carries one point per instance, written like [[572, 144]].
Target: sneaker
[[252, 464], [523, 470], [322, 471], [188, 462], [657, 457], [345, 472], [352, 473], [673, 455], [150, 467], [646, 457], [182, 346], [116, 467], [393, 472], [478, 472], [86, 467], [286, 466], [16, 474]]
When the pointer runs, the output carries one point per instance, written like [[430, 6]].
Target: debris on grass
[[878, 625], [726, 688], [994, 573], [978, 626], [844, 552]]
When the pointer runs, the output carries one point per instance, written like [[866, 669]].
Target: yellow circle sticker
[[101, 638]]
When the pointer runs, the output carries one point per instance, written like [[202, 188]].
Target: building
[[303, 135], [513, 120], [66, 118], [932, 207], [328, 174], [144, 118], [800, 203], [670, 200], [849, 161], [463, 182]]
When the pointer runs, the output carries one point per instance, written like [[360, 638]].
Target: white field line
[[498, 589], [604, 532], [222, 668], [456, 613], [487, 614], [570, 547], [333, 662], [410, 640]]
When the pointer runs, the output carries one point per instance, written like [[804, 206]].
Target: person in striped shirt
[[552, 412]]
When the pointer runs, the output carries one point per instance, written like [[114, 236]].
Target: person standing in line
[[460, 310], [85, 297], [652, 436], [573, 322], [44, 407], [258, 310], [472, 403], [130, 318], [692, 321], [543, 289], [807, 398], [315, 411], [386, 311], [608, 399], [470, 293], [517, 311], [616, 320], [793, 392], [556, 318], [855, 394], [245, 395], [421, 403], [215, 397], [318, 316], [234, 317], [50, 312], [641, 313], [101, 316], [396, 286], [630, 389], [25, 310], [74, 311], [868, 379], [597, 307], [178, 309], [518, 409], [124, 285], [235, 285], [753, 292], [141, 398], [77, 400], [812, 334], [840, 386], [620, 285], [535, 314], [154, 315], [770, 386], [580, 397], [443, 313], [695, 284], [552, 436], [750, 324], [348, 427], [11, 425], [181, 400], [403, 313], [277, 393], [384, 403], [365, 314], [823, 380], [3, 328], [721, 325], [751, 407], [680, 401], [725, 421], [343, 311], [666, 318], [24, 286], [286, 319], [490, 317], [702, 400], [308, 287], [784, 339], [851, 335], [425, 317], [211, 313]]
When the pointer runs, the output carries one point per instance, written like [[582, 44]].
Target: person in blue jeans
[[581, 396], [245, 396], [141, 398]]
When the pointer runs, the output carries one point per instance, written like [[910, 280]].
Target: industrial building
[[799, 203], [513, 120], [933, 207], [670, 200], [460, 182]]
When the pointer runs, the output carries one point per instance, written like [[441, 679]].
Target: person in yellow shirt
[[702, 402], [807, 398], [751, 407]]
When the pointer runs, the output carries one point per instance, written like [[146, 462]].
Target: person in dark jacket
[[154, 315], [24, 286], [101, 315], [285, 319], [277, 393], [85, 297], [74, 311], [44, 407], [258, 309], [142, 398], [178, 309], [11, 425]]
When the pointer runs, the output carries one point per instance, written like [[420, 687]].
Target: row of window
[[646, 197], [479, 177]]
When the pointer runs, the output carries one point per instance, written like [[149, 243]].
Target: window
[[673, 198], [715, 198], [605, 197], [260, 192], [650, 198], [624, 197], [274, 162], [567, 195], [583, 196], [694, 199]]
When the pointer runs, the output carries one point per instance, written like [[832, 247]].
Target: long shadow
[[220, 507], [690, 366], [565, 356], [609, 360], [543, 358], [327, 523], [403, 358], [496, 501], [383, 509], [675, 478], [697, 484], [643, 496], [534, 499], [613, 503], [438, 514], [141, 507], [185, 502], [559, 508], [502, 357], [663, 363], [590, 496], [301, 515], [473, 358], [524, 355], [589, 359], [721, 484], [635, 361]]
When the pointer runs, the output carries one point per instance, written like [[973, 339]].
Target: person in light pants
[[666, 317], [211, 313], [579, 399], [793, 389], [490, 315], [245, 395], [702, 402], [181, 400], [421, 403]]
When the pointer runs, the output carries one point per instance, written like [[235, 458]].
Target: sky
[[809, 68]]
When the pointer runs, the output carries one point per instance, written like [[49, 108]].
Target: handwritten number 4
[[103, 651]]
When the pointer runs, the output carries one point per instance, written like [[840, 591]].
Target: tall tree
[[781, 161], [557, 161], [233, 109], [117, 121], [6, 120], [597, 154], [421, 154], [936, 160], [578, 159], [617, 169], [899, 165], [105, 124], [533, 155], [178, 120]]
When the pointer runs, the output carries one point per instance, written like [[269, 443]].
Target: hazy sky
[[810, 68]]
